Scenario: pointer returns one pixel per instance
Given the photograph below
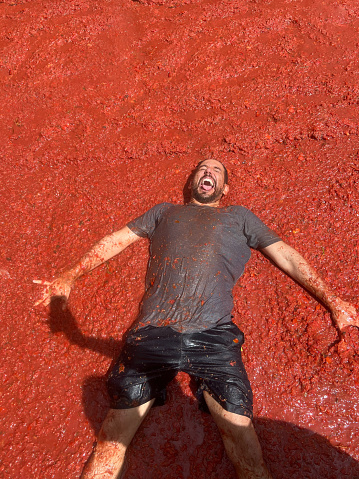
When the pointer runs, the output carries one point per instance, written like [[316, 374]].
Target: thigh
[[240, 440], [215, 360], [147, 363], [120, 425], [239, 437]]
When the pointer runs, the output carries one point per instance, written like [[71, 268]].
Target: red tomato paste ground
[[105, 108]]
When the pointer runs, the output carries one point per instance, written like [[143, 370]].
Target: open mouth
[[206, 183]]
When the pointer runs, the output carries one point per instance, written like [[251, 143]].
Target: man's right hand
[[105, 249], [60, 287]]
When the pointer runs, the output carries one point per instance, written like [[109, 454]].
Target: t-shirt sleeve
[[257, 233], [145, 224]]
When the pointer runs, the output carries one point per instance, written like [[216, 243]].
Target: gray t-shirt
[[197, 254]]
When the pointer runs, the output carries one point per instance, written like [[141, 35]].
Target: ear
[[225, 190]]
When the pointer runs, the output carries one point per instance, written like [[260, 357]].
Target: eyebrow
[[214, 167]]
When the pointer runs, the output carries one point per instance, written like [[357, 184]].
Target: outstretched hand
[[60, 287], [344, 314]]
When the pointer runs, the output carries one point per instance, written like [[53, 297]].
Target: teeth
[[208, 181]]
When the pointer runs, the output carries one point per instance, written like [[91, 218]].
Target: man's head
[[210, 182]]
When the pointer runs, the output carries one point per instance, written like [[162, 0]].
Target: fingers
[[57, 288], [44, 300], [347, 316], [46, 297]]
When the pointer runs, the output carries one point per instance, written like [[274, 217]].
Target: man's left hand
[[344, 314]]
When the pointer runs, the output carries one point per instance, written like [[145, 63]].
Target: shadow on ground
[[290, 451]]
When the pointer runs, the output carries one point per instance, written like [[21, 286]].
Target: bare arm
[[292, 263], [102, 251]]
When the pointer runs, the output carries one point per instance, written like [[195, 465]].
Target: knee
[[242, 445]]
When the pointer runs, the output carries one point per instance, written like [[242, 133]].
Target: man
[[197, 253]]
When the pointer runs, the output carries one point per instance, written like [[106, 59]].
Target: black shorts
[[152, 356]]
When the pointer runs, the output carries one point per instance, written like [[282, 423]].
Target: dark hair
[[225, 169]]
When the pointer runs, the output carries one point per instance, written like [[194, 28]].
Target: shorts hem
[[125, 403], [241, 410]]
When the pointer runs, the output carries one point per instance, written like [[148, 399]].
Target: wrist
[[71, 275], [332, 301]]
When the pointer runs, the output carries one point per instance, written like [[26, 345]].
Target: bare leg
[[117, 431], [240, 441]]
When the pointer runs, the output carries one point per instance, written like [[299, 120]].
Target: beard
[[201, 197]]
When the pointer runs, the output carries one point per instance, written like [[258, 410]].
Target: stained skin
[[239, 438], [271, 87]]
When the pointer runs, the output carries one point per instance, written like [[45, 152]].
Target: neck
[[214, 204]]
